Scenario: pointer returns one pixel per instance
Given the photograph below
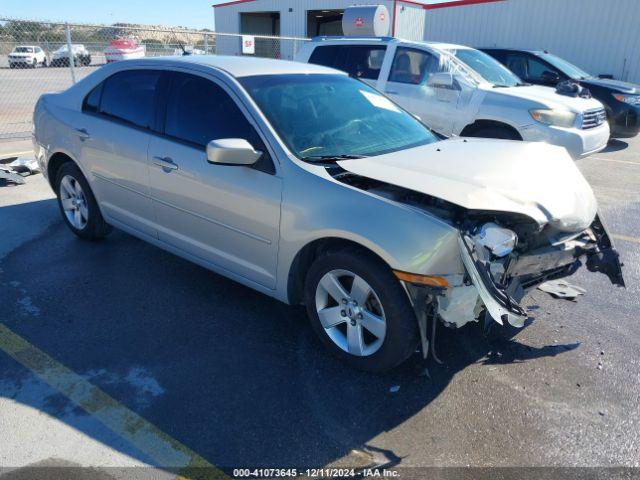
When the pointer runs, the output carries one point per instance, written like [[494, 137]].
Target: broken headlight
[[498, 240]]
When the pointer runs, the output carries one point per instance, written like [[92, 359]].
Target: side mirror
[[550, 77], [232, 151], [441, 79]]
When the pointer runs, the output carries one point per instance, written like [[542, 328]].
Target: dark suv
[[621, 99]]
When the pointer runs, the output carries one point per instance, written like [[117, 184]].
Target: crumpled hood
[[622, 87], [547, 97], [533, 179]]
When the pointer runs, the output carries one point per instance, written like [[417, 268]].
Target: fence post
[[70, 53], [206, 44]]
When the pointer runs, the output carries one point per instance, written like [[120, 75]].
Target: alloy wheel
[[74, 202], [350, 312]]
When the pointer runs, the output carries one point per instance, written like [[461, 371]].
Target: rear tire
[[495, 132], [78, 205], [347, 320]]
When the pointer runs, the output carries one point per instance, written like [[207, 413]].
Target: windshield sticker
[[380, 101]]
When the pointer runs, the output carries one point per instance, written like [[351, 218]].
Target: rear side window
[[130, 96], [199, 111], [92, 101], [327, 56], [359, 61]]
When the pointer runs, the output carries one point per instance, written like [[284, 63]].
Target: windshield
[[23, 50], [565, 67], [488, 67], [333, 115]]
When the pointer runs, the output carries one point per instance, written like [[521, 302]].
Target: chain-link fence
[[41, 57]]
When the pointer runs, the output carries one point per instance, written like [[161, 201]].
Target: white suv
[[27, 56], [458, 90]]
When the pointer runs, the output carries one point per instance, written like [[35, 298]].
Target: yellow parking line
[[16, 154], [147, 438], [625, 238], [626, 162]]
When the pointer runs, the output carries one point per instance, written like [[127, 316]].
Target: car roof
[[244, 66], [373, 40], [527, 50]]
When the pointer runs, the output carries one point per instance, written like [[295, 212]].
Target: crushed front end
[[503, 262]]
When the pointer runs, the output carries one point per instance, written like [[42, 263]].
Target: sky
[[184, 13]]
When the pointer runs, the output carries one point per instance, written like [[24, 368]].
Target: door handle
[[166, 163], [82, 133], [391, 92]]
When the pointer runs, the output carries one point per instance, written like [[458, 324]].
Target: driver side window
[[527, 67], [413, 67]]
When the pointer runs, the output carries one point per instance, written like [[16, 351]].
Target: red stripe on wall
[[454, 3], [235, 2], [457, 3]]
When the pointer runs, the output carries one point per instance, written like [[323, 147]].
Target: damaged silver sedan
[[314, 188]]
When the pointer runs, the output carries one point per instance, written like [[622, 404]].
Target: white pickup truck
[[457, 90]]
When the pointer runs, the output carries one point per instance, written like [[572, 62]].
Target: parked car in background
[[458, 90], [27, 56], [124, 49], [81, 56], [316, 189], [188, 50], [620, 99]]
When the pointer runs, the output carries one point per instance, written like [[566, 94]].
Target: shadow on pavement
[[615, 145], [232, 374]]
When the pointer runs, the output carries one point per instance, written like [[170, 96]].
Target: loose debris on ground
[[562, 289]]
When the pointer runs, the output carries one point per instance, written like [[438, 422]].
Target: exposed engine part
[[499, 241]]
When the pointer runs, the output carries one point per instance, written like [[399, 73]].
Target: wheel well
[[482, 124], [305, 258], [55, 162]]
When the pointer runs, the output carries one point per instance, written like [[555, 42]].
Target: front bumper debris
[[501, 293], [502, 308]]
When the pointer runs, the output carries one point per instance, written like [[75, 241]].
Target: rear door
[[226, 215], [359, 61], [114, 132]]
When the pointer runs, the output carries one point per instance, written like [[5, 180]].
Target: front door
[[226, 215], [409, 85]]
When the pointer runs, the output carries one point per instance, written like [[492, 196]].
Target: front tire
[[360, 311], [77, 204]]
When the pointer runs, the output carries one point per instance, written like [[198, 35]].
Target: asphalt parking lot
[[117, 354], [21, 89]]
